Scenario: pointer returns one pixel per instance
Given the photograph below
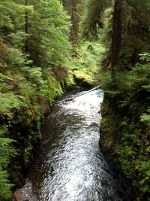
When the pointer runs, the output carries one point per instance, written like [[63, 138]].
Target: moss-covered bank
[[125, 130], [25, 97]]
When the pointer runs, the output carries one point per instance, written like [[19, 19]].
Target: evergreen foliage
[[125, 79], [48, 30], [5, 151], [91, 19], [85, 63], [34, 61], [34, 46], [72, 8], [131, 149], [124, 75]]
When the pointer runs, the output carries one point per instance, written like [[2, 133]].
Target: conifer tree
[[33, 34], [48, 30], [91, 16], [72, 8]]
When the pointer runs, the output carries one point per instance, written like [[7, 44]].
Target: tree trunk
[[116, 34], [71, 5], [26, 28]]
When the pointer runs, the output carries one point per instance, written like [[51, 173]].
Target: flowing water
[[69, 165]]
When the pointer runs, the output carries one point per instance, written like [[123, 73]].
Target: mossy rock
[[70, 81], [84, 79]]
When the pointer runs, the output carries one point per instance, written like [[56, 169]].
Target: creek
[[69, 165]]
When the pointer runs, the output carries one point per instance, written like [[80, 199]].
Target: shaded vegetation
[[39, 60], [44, 52], [123, 28], [34, 50], [85, 62], [125, 128], [125, 79]]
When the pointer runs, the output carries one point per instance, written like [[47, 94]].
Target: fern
[[5, 153], [10, 102]]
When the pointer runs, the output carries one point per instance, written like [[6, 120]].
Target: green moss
[[23, 94], [70, 82], [85, 62], [54, 89], [5, 153], [125, 128], [84, 76], [126, 147]]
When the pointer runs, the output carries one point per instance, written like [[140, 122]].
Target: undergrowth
[[126, 128]]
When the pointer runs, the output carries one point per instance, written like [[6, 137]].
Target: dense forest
[[51, 47]]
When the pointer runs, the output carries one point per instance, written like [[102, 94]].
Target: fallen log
[[85, 92]]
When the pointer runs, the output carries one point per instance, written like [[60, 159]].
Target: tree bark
[[116, 34], [71, 5], [26, 28]]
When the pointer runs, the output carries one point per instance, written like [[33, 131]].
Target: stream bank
[[123, 145], [28, 131], [69, 164]]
